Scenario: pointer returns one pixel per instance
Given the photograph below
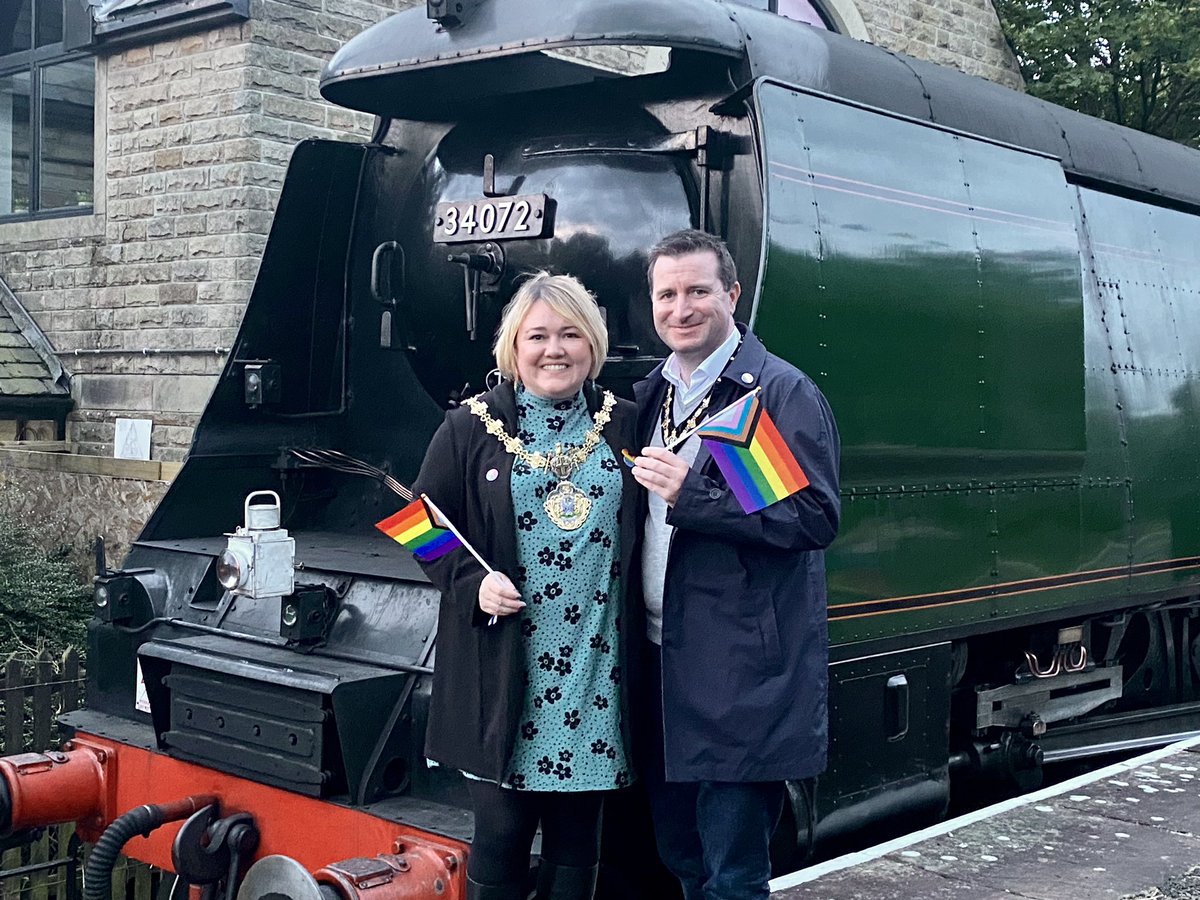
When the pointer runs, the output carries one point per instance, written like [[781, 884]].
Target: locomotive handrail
[[389, 248], [680, 142]]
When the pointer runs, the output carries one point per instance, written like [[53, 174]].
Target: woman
[[532, 673]]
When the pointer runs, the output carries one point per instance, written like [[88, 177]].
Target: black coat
[[745, 644], [479, 671]]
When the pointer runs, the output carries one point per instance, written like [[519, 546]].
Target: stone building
[[143, 144]]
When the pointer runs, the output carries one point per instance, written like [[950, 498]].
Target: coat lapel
[[649, 393], [612, 434], [502, 403]]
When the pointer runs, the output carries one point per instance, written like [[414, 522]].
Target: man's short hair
[[689, 240]]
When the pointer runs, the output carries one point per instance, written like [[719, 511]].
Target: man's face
[[693, 313]]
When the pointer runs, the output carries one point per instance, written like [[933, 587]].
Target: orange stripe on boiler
[[1033, 590]]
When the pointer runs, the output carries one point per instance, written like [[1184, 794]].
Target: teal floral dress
[[570, 734]]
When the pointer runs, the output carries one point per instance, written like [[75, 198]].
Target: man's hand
[[662, 472], [498, 596]]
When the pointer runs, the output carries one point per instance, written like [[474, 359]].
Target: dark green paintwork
[[936, 287], [1146, 294]]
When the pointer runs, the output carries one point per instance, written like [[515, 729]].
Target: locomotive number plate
[[490, 219]]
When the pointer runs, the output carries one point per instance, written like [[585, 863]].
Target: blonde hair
[[566, 295]]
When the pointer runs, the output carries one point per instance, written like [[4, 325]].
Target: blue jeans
[[714, 836]]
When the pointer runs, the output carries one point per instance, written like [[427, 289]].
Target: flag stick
[[466, 544], [687, 434], [454, 531]]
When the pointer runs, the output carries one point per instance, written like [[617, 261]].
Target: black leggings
[[506, 820]]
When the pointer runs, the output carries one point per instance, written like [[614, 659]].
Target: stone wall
[[143, 298], [67, 509], [193, 136], [965, 34]]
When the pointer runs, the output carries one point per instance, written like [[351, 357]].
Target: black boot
[[565, 882], [507, 891]]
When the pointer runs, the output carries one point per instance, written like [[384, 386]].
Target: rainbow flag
[[752, 455], [421, 530]]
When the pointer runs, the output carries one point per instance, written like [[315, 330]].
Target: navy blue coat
[[745, 644]]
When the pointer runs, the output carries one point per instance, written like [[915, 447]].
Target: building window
[[803, 11], [810, 12], [47, 113]]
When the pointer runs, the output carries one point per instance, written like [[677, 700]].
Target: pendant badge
[[567, 506]]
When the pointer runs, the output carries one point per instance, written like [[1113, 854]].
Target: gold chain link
[[670, 434], [573, 457]]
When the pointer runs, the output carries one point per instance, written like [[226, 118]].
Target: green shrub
[[45, 602]]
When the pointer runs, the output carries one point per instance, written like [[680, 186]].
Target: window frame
[[33, 62]]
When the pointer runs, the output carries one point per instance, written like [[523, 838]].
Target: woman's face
[[554, 357]]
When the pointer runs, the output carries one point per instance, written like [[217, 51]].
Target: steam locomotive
[[999, 297]]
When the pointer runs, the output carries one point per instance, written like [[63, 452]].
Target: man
[[735, 601]]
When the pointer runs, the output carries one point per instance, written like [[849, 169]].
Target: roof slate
[[27, 365]]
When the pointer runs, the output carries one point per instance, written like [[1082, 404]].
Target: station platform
[[1128, 831]]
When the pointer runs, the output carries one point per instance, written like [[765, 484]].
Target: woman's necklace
[[566, 505]]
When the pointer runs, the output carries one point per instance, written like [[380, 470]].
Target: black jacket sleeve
[[457, 574]]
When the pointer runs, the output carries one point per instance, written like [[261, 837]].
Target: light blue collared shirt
[[703, 378], [657, 541]]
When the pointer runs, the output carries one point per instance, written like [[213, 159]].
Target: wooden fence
[[33, 693]]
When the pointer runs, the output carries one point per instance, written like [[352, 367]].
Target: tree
[[44, 600], [1134, 62]]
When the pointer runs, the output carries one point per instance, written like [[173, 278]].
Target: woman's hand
[[498, 596]]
